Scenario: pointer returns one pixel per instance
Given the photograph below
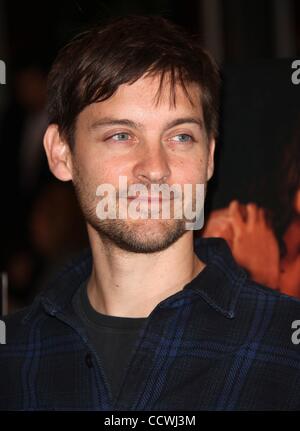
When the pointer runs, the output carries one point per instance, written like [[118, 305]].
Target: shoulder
[[20, 325], [258, 292], [14, 323], [274, 316]]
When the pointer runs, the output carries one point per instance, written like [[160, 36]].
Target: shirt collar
[[219, 283], [224, 277]]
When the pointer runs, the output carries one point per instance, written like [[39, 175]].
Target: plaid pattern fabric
[[221, 343]]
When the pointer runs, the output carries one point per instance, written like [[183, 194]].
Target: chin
[[141, 236]]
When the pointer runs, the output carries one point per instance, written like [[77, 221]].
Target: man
[[145, 320]]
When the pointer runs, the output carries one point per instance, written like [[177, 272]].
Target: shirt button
[[88, 360]]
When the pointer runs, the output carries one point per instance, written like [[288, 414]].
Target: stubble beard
[[136, 236]]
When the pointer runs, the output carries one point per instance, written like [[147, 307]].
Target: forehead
[[147, 103], [148, 99], [157, 91]]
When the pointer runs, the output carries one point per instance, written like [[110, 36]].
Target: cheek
[[190, 171], [96, 169]]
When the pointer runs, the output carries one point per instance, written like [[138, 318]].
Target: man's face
[[147, 142]]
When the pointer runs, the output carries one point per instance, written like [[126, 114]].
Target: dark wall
[[260, 110]]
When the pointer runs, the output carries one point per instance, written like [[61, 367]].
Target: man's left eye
[[122, 136], [183, 137]]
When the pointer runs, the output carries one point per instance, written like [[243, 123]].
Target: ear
[[210, 161], [58, 154]]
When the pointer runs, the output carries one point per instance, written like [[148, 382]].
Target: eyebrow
[[107, 121]]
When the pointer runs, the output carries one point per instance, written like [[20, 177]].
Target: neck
[[129, 284]]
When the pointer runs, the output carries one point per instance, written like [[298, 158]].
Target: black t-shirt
[[112, 337]]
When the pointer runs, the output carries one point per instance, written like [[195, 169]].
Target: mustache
[[154, 190]]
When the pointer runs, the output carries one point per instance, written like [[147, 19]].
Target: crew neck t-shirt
[[112, 337]]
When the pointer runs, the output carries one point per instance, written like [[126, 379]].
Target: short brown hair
[[95, 63]]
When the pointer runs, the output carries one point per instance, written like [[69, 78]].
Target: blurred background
[[254, 42]]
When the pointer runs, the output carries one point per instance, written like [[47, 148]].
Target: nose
[[152, 167]]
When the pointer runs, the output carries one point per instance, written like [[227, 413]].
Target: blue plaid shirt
[[221, 343]]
